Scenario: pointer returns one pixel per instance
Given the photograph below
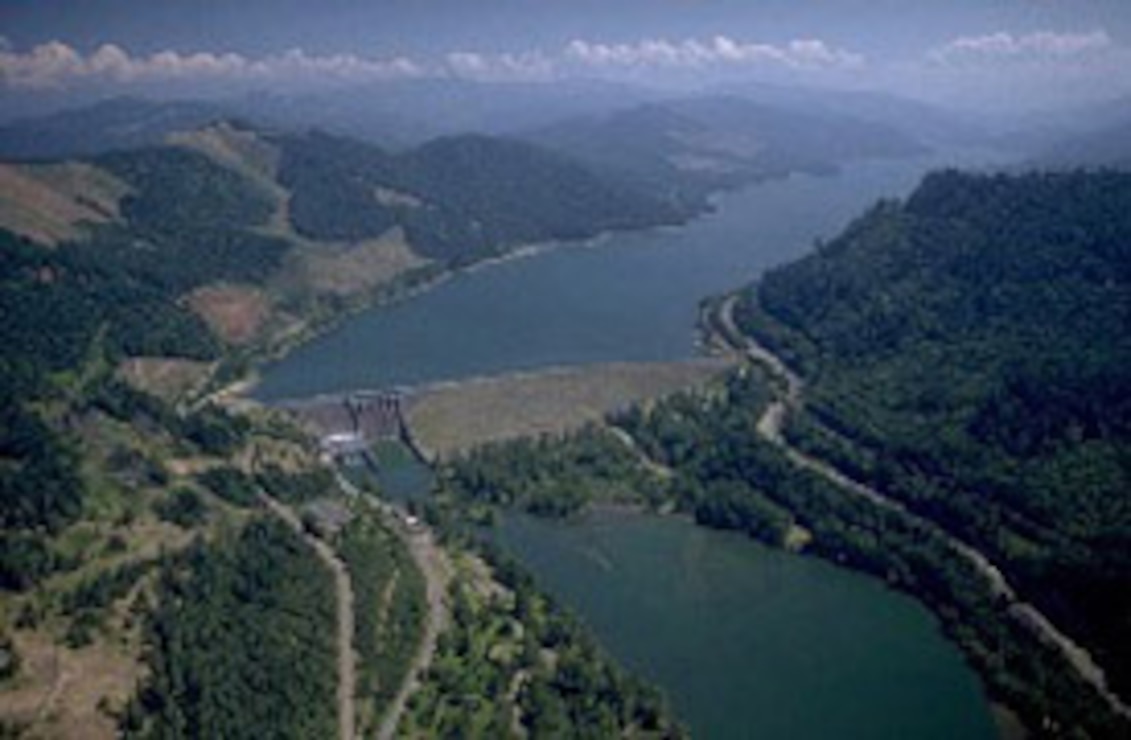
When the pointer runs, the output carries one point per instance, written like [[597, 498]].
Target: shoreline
[[1004, 721], [392, 294], [431, 276]]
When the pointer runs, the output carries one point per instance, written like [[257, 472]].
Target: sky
[[972, 53]]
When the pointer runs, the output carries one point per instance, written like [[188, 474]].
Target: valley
[[715, 416]]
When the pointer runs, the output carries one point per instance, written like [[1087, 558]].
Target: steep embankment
[[771, 426], [965, 354]]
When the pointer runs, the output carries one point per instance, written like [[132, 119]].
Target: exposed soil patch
[[58, 691], [349, 270], [235, 312], [164, 377]]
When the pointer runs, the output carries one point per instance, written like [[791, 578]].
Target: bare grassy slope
[[50, 203], [454, 417]]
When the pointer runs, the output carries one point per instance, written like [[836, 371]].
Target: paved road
[[770, 428]]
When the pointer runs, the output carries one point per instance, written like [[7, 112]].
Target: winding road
[[436, 569], [770, 427], [434, 565]]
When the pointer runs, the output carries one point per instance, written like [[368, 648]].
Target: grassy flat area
[[454, 417]]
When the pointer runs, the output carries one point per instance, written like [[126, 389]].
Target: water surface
[[630, 296], [751, 642]]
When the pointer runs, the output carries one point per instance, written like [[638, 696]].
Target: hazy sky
[[977, 52]]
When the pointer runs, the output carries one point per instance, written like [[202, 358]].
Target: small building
[[341, 444]]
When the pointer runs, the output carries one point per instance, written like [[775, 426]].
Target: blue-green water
[[746, 641], [751, 642]]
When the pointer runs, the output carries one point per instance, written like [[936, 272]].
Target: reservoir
[[745, 641], [629, 296], [750, 642]]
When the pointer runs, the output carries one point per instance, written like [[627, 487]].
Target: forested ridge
[[968, 351], [71, 314], [683, 150], [459, 198]]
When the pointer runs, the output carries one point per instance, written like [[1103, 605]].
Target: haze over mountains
[[401, 114], [398, 115]]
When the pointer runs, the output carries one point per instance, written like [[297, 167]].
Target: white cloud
[[58, 65], [720, 50], [533, 65], [1037, 46], [55, 65]]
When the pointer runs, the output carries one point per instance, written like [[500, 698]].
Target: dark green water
[[401, 478], [747, 642], [750, 642]]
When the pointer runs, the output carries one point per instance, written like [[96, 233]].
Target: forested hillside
[[967, 351], [136, 557], [459, 198], [241, 643]]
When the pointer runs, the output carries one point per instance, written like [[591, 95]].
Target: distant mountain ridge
[[1106, 147], [393, 114], [115, 123], [930, 124], [690, 147]]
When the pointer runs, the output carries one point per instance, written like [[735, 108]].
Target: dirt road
[[434, 566], [433, 563], [343, 591]]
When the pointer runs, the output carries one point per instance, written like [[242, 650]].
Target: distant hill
[[457, 198], [394, 114], [1106, 147], [968, 352], [687, 148], [116, 123], [930, 124], [1051, 133], [406, 113]]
